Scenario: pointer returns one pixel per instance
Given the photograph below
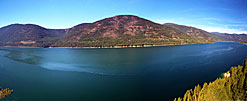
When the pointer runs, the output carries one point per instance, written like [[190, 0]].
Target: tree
[[197, 90], [231, 88], [188, 95]]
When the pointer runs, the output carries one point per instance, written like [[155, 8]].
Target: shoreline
[[113, 46], [136, 46]]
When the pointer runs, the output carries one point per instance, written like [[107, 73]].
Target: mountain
[[121, 30], [232, 37], [22, 34], [127, 30]]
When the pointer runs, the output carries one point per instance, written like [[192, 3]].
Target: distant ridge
[[233, 37], [215, 35]]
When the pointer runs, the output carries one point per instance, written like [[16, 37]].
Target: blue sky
[[211, 15]]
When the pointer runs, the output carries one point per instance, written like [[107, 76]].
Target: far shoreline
[[116, 47], [135, 46]]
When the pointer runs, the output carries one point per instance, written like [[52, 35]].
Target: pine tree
[[222, 89], [197, 90], [188, 95]]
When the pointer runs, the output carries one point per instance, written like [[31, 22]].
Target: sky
[[226, 16]]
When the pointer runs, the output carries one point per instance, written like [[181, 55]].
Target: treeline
[[125, 40], [115, 42], [97, 41], [101, 43], [232, 88]]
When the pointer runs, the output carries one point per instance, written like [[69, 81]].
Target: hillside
[[192, 31], [233, 37], [22, 34], [122, 30], [198, 32], [219, 37], [233, 87], [126, 30]]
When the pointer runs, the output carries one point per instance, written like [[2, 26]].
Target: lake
[[126, 74]]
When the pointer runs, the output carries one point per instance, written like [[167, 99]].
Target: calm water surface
[[128, 74]]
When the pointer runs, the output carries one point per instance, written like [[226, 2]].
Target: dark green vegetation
[[230, 88], [122, 30]]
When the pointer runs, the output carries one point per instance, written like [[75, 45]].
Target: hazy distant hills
[[122, 30], [233, 37], [215, 35]]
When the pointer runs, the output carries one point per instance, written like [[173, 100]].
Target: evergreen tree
[[229, 88]]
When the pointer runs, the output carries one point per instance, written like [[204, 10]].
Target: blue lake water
[[128, 74]]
